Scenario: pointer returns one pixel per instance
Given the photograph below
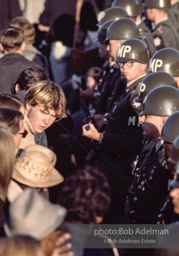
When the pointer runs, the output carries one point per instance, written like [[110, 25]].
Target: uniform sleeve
[[127, 142]]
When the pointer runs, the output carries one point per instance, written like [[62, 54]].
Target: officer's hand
[[87, 94], [90, 132], [98, 120]]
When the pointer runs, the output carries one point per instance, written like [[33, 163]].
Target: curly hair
[[86, 195]]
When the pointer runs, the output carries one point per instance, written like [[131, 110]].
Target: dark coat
[[11, 65], [165, 35], [122, 141], [149, 186], [8, 11]]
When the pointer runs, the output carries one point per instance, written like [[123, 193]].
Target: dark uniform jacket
[[11, 65], [174, 15], [111, 77], [149, 186], [147, 37], [166, 215], [165, 35], [122, 140]]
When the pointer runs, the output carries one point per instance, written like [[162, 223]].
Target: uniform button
[[135, 198]]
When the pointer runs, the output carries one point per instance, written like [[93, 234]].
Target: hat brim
[[54, 179], [60, 213]]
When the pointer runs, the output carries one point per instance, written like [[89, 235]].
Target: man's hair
[[28, 77], [9, 119], [10, 101], [28, 29], [85, 195], [12, 39], [48, 95]]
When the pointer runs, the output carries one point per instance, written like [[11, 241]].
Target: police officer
[[166, 60], [111, 72], [133, 58], [117, 32], [174, 158], [174, 193], [121, 140], [149, 185], [112, 13], [154, 80], [174, 11], [134, 10], [169, 133], [164, 33]]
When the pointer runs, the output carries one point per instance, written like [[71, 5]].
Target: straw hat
[[35, 168], [33, 215]]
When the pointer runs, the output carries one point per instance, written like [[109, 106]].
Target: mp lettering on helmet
[[124, 49], [155, 64], [142, 87]]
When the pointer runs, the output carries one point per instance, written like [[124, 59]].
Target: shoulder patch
[[157, 41]]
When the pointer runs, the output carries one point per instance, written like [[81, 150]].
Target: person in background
[[134, 10], [8, 11], [12, 42], [166, 60], [34, 221], [11, 101], [26, 79], [86, 195], [7, 157], [34, 167], [13, 121], [31, 10], [30, 52], [164, 32], [20, 245]]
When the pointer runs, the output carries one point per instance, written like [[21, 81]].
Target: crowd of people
[[89, 122]]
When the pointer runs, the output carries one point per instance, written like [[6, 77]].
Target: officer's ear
[[164, 118], [144, 66]]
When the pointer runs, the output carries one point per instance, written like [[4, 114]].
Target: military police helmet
[[132, 7], [113, 13], [157, 4], [123, 28], [134, 50], [174, 158], [161, 101], [171, 128], [154, 80], [167, 60], [101, 34]]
